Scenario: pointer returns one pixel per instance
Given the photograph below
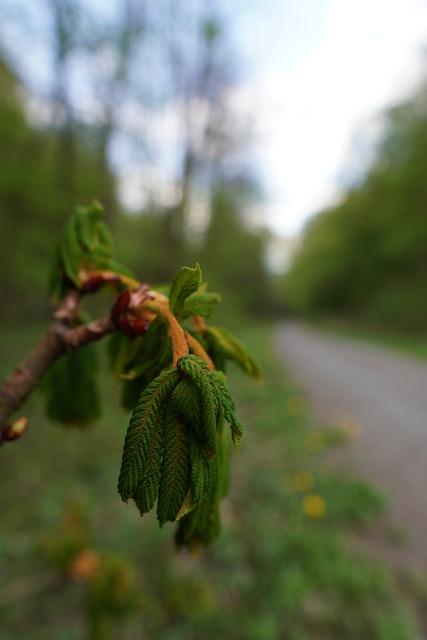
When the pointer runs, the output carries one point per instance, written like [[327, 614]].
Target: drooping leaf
[[227, 407], [199, 374], [175, 479], [186, 282], [152, 354], [223, 464], [202, 474], [119, 349], [140, 470], [228, 345], [187, 404], [203, 525], [72, 395]]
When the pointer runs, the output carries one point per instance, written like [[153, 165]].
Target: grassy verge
[[280, 570]]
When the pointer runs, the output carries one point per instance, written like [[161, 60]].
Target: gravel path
[[386, 394]]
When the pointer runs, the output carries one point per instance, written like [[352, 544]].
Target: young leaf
[[226, 407], [222, 341], [202, 476], [203, 525], [70, 385], [175, 476], [223, 464], [186, 282], [140, 469], [119, 349], [70, 251], [153, 353], [187, 404], [86, 219], [105, 238], [200, 304], [199, 374]]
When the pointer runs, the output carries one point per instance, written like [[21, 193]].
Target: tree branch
[[60, 337]]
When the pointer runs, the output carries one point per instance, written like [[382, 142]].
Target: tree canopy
[[366, 257]]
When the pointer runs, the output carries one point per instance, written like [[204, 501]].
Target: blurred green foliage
[[35, 200], [231, 256], [366, 258]]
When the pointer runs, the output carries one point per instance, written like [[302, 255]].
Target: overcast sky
[[317, 72]]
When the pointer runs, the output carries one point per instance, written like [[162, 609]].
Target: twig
[[60, 337]]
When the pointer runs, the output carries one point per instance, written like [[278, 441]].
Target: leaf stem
[[176, 332]]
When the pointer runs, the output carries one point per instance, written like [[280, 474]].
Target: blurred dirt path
[[384, 393]]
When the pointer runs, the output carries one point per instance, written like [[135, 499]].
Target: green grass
[[282, 568]]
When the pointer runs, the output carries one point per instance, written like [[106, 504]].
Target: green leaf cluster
[[175, 452], [85, 244]]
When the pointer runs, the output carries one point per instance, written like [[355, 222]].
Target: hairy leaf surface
[[175, 480], [200, 374], [227, 407], [140, 469], [203, 525]]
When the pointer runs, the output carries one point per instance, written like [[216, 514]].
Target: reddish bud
[[129, 314]]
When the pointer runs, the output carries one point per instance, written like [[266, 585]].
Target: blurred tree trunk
[[64, 20]]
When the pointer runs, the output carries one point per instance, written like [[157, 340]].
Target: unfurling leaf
[[70, 251], [85, 247], [223, 342], [200, 304], [186, 282], [150, 354]]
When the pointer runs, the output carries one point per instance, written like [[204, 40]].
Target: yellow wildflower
[[314, 505]]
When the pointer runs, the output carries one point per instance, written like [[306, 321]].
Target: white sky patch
[[144, 185], [365, 55]]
